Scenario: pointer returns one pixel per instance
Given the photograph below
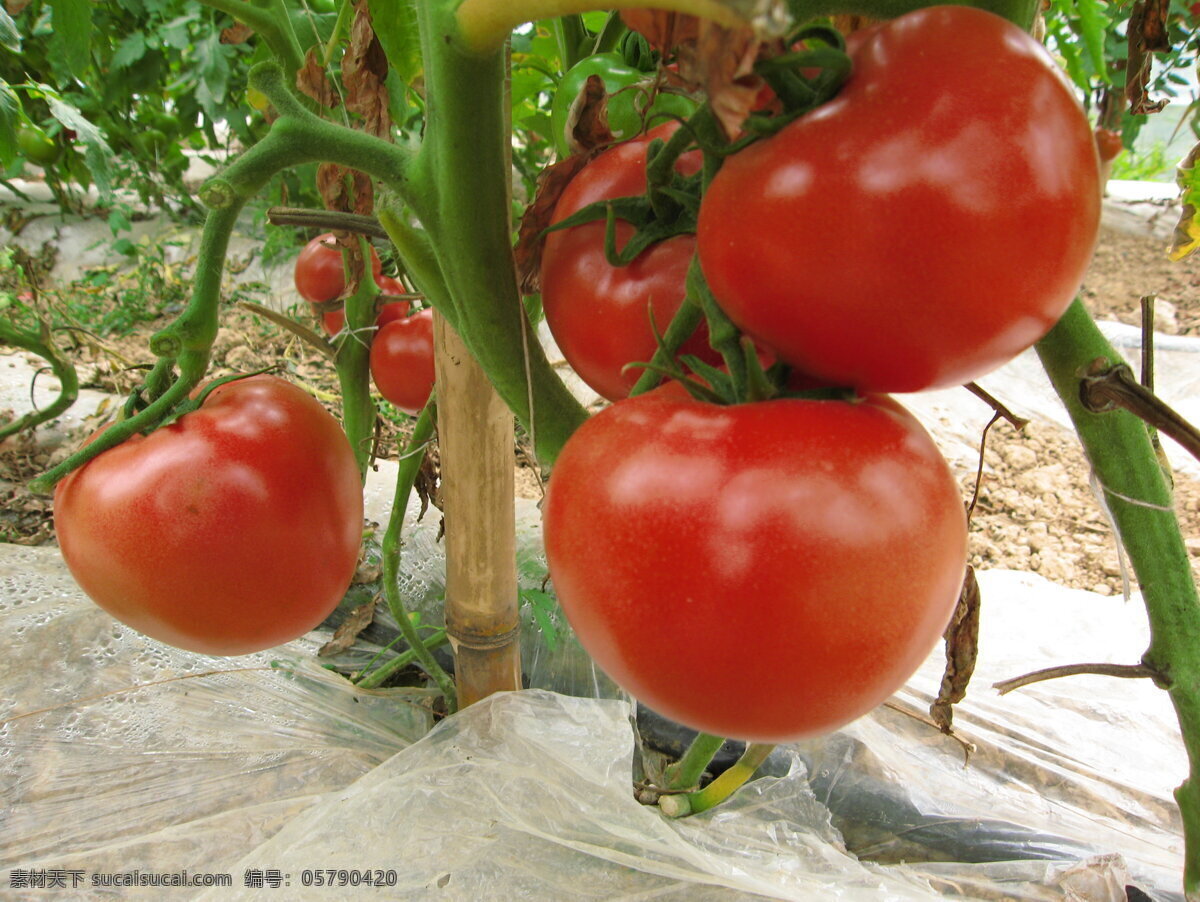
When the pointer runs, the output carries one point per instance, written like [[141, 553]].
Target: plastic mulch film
[[288, 771]]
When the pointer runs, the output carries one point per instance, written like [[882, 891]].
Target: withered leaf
[[587, 119], [664, 30], [962, 648], [721, 62], [538, 215], [312, 81], [364, 74], [351, 628], [238, 33], [1146, 34]]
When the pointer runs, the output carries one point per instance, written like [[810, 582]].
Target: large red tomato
[[926, 225], [320, 275], [402, 361], [236, 528], [333, 321], [764, 571], [600, 314]]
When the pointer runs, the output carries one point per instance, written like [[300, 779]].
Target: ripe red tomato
[[393, 310], [764, 571], [319, 273], [599, 314], [926, 225], [402, 361], [234, 529]]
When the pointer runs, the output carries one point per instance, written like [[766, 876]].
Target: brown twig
[[1125, 671], [327, 220], [975, 389], [1108, 387], [900, 707]]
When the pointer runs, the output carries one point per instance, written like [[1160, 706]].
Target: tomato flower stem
[[1138, 497], [683, 804], [686, 772], [406, 476]]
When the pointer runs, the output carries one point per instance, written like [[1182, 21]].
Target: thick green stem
[[63, 369], [353, 365], [379, 675], [719, 789], [1139, 500], [464, 161], [406, 476], [686, 772], [272, 25]]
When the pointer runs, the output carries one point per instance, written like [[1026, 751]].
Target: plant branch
[[1139, 499], [1125, 671], [1016, 421], [326, 221], [719, 789], [685, 773], [63, 369], [406, 476], [1109, 387]]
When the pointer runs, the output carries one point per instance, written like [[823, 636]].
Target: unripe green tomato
[[624, 106], [36, 146]]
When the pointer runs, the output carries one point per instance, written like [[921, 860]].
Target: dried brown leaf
[[962, 649], [1146, 34], [238, 33], [364, 74], [312, 81], [587, 119], [721, 63], [351, 628], [665, 31], [538, 215]]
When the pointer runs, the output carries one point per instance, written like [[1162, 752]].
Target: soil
[[1035, 508]]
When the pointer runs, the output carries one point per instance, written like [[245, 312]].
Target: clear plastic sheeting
[[232, 766]]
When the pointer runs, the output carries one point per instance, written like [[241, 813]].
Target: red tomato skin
[[766, 571], [334, 320], [599, 314], [234, 529], [925, 226], [319, 273], [393, 310], [402, 361]]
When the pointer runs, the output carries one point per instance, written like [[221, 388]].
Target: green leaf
[[130, 50], [10, 38], [97, 154], [72, 39], [1093, 20], [10, 115], [395, 23]]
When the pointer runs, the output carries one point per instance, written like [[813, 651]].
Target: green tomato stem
[[406, 476], [464, 162], [272, 25], [353, 364], [1139, 499], [379, 675], [686, 772], [63, 369], [719, 789], [683, 325]]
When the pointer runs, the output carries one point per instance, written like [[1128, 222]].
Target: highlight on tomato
[[233, 529], [925, 226], [771, 570], [601, 315]]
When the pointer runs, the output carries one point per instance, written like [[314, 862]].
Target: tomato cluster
[[402, 345], [774, 569]]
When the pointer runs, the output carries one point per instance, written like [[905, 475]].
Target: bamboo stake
[[476, 448]]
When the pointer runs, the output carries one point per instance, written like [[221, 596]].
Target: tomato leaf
[[129, 51], [72, 38], [10, 113], [1093, 22], [364, 74], [10, 38], [97, 154], [1186, 239], [349, 630], [395, 24]]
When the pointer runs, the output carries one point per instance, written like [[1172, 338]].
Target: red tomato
[[926, 225], [599, 314], [319, 273], [391, 311], [234, 529], [402, 361], [765, 571]]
